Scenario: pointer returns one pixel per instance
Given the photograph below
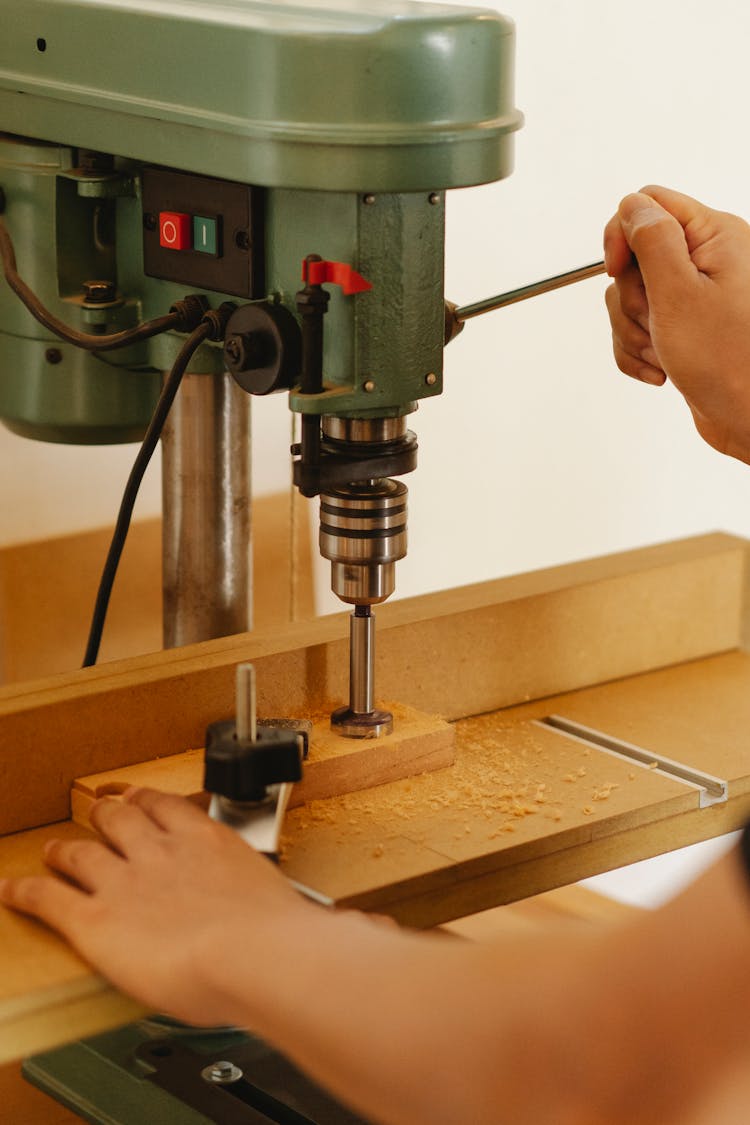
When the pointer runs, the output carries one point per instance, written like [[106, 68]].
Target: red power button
[[175, 230]]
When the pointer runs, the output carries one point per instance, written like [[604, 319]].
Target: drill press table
[[524, 808]]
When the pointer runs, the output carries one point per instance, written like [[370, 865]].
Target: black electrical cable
[[175, 319], [205, 330]]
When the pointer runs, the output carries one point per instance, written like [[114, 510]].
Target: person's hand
[[165, 905], [680, 307]]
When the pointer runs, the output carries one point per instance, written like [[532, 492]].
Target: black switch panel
[[233, 215]]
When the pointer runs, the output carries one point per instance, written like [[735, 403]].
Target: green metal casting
[[354, 117], [385, 95]]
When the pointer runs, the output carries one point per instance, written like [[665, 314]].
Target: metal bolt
[[434, 198], [369, 199], [242, 240], [150, 221], [431, 379], [223, 1073], [99, 292], [369, 386], [53, 355]]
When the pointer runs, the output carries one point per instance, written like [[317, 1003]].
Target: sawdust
[[509, 780]]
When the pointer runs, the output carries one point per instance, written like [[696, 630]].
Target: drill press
[[161, 149], [153, 149]]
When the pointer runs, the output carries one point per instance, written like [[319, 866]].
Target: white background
[[539, 451]]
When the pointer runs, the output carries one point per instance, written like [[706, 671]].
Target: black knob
[[263, 348], [242, 770]]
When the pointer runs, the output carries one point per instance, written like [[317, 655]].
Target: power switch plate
[[223, 252]]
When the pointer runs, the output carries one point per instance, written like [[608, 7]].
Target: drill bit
[[361, 719]]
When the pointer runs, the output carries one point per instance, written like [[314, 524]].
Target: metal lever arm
[[455, 318]]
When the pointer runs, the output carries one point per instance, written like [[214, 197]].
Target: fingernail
[[653, 378], [640, 211]]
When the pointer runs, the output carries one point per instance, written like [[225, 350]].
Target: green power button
[[205, 235]]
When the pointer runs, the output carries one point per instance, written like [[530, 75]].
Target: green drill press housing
[[320, 105]]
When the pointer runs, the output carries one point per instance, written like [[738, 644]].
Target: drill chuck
[[363, 535]]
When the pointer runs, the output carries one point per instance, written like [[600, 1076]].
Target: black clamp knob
[[242, 769]]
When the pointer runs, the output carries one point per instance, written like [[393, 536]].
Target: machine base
[[160, 1073]]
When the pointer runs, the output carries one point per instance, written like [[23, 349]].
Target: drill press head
[[225, 145]]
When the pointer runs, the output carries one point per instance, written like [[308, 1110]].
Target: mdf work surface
[[526, 808], [523, 809]]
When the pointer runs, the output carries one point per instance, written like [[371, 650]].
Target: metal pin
[[246, 704], [489, 304]]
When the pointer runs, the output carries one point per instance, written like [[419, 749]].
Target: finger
[[87, 863], [52, 901], [636, 367], [631, 296], [124, 826], [659, 243], [617, 253], [692, 215], [634, 338], [169, 812]]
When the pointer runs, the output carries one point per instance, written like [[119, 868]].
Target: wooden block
[[335, 765]]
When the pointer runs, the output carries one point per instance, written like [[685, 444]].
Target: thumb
[[658, 241]]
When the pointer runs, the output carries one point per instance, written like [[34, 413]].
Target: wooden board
[[47, 590], [522, 810], [335, 765], [24, 1105], [456, 653]]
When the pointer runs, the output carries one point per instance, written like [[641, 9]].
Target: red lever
[[334, 273]]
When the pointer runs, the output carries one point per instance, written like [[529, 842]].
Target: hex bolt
[[222, 1073], [99, 292]]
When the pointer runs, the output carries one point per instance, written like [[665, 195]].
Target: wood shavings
[[603, 793]]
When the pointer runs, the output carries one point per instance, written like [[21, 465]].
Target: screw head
[[431, 379], [150, 221], [369, 199], [53, 355], [434, 198], [368, 386], [222, 1073], [233, 348], [242, 240]]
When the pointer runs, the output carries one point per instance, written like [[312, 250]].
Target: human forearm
[[570, 1028]]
